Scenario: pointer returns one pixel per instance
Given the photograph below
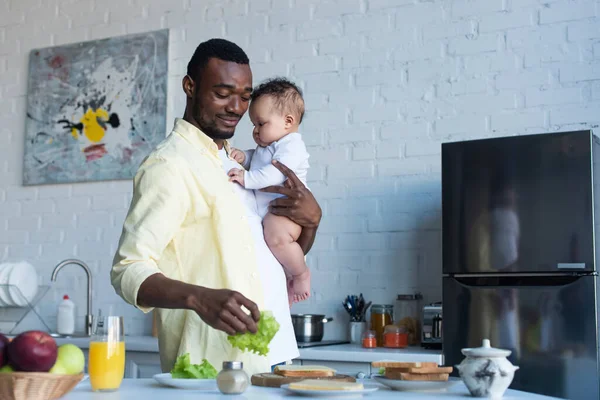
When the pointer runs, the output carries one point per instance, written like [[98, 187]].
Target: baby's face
[[269, 124]]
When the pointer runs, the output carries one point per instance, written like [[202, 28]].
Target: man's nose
[[236, 106]]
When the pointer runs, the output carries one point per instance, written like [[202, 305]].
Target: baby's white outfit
[[291, 151]]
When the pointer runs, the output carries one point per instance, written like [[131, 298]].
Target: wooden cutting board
[[275, 381]]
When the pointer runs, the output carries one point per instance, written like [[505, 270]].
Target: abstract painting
[[95, 109]]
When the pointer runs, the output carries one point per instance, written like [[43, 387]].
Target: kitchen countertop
[[143, 389], [337, 352]]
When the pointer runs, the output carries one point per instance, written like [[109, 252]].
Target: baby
[[276, 111]]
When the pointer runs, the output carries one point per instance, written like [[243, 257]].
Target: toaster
[[431, 336]]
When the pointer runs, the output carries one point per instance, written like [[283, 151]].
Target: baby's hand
[[236, 175], [238, 156]]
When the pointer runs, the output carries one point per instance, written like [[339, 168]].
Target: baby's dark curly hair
[[287, 97], [215, 48]]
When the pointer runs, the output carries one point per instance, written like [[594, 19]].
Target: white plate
[[193, 384], [24, 283], [331, 393], [5, 300], [416, 386]]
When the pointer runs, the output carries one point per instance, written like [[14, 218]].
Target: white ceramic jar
[[486, 371]]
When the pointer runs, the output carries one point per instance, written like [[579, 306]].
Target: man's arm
[[306, 239], [158, 209], [299, 205], [219, 308]]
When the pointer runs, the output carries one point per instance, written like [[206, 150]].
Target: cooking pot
[[309, 327]]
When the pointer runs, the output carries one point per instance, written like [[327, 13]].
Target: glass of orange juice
[[107, 354]]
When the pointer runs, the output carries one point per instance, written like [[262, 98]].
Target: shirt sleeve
[[248, 160], [157, 211], [292, 153]]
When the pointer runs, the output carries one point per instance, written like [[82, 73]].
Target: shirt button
[[248, 248], [253, 275]]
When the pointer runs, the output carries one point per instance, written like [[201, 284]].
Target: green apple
[[58, 369], [7, 368], [70, 358]]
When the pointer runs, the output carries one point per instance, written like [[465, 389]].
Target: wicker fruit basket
[[36, 385]]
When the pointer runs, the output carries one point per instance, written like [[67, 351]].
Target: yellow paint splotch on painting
[[92, 122]]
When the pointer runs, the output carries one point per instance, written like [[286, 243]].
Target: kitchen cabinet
[[141, 365]]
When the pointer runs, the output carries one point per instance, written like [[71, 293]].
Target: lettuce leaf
[[381, 371], [257, 343], [184, 369]]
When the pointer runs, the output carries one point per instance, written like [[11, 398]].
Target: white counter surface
[[338, 352], [144, 389]]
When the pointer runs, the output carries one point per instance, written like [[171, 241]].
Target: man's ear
[[188, 86]]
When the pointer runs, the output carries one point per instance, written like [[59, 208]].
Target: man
[[192, 244]]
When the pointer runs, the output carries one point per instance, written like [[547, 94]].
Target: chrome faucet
[[88, 318]]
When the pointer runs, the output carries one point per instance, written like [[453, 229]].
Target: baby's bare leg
[[281, 234]]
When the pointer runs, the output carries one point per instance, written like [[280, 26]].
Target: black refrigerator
[[520, 249]]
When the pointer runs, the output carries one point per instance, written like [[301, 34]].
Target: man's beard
[[209, 128]]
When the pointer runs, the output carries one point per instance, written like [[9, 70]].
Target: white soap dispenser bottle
[[65, 319]]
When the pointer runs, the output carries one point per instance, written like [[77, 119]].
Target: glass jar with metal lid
[[407, 314], [381, 316], [232, 379]]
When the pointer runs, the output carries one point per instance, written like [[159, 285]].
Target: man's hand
[[300, 205], [236, 175], [238, 156], [222, 310]]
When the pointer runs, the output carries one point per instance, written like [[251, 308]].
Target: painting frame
[[95, 109]]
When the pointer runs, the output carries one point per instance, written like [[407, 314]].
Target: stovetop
[[302, 345]]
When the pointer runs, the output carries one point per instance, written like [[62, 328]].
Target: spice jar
[[395, 337], [368, 340], [381, 316], [232, 379]]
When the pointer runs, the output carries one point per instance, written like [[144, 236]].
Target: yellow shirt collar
[[198, 138]]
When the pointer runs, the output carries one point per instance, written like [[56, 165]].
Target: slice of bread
[[396, 364], [423, 377], [406, 376], [430, 370], [304, 371], [315, 384]]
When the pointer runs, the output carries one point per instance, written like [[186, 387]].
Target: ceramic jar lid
[[485, 351]]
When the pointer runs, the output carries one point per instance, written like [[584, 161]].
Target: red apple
[[3, 350], [32, 351]]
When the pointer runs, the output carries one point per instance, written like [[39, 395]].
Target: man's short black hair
[[215, 48], [287, 97]]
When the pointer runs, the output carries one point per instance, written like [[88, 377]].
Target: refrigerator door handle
[[518, 280]]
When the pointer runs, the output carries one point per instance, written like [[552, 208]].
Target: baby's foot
[[301, 286]]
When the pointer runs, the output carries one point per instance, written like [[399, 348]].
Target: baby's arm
[[291, 154], [248, 158], [244, 157], [263, 177]]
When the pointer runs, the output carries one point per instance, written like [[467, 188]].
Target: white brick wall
[[386, 82]]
